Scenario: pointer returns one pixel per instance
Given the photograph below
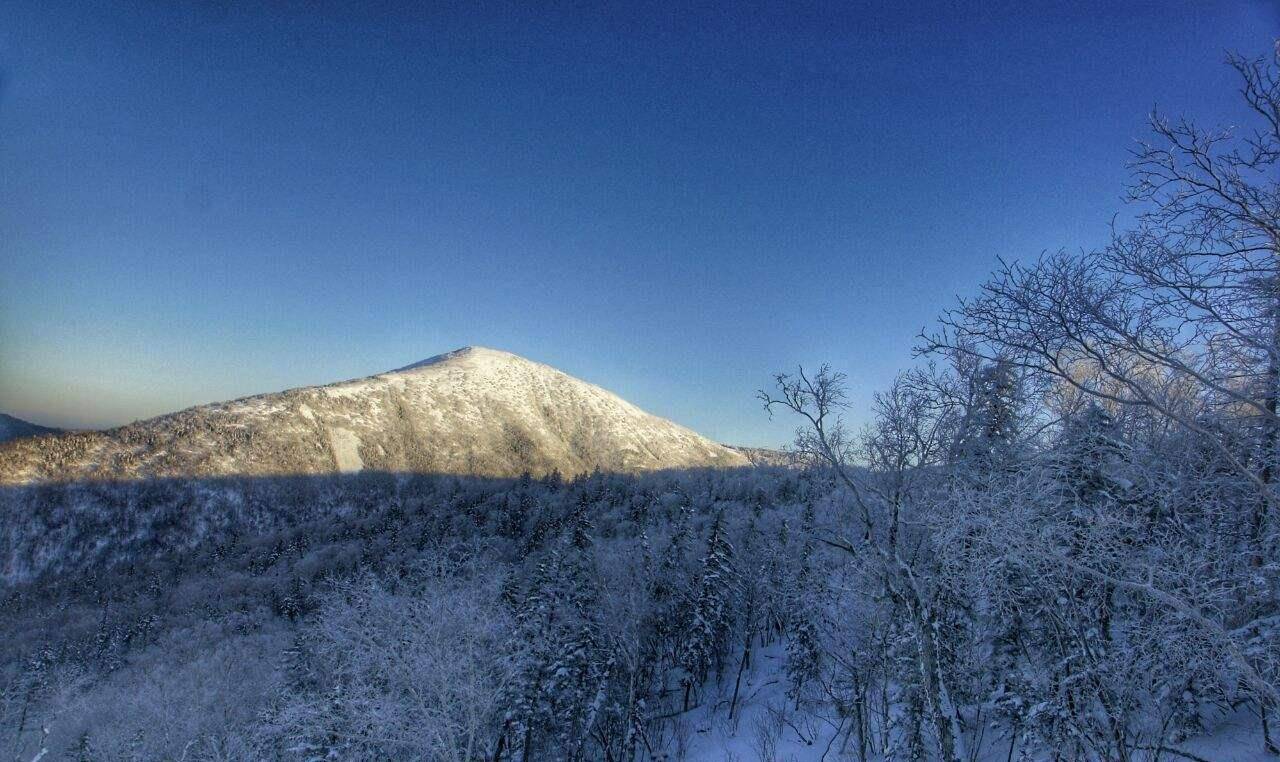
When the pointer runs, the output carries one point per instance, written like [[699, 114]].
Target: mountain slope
[[471, 411], [15, 428]]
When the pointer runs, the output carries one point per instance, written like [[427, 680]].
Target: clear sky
[[203, 200]]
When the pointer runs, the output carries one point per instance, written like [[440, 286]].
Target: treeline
[[353, 596]]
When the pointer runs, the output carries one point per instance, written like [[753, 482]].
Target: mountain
[[472, 411], [768, 456], [15, 428]]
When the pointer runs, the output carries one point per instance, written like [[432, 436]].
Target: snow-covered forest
[[1057, 538]]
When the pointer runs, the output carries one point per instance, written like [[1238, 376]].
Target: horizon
[[203, 203]]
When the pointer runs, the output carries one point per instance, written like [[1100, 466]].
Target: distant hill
[[15, 428], [768, 456], [472, 411]]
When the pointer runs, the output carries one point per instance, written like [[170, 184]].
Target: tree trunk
[[502, 745], [1269, 744], [937, 697], [1271, 430], [742, 666]]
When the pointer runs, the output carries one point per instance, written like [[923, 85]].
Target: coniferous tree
[[804, 646], [532, 644], [703, 648], [670, 608], [985, 444], [1089, 458]]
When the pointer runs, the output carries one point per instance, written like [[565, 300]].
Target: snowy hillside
[[471, 411]]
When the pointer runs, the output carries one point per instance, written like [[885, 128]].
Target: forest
[[1057, 537]]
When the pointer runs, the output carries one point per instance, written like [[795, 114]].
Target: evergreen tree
[[1088, 459], [985, 444], [704, 647], [580, 526], [669, 610], [804, 647], [532, 647]]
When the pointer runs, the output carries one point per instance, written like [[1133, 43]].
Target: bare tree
[[1181, 313], [414, 673], [904, 441], [1179, 316]]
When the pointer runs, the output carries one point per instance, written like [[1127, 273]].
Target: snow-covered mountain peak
[[461, 354], [474, 410]]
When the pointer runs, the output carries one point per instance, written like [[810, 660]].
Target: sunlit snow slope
[[471, 411]]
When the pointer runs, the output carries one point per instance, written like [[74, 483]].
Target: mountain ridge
[[474, 411], [12, 427]]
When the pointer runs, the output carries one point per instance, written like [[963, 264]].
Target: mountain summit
[[471, 411]]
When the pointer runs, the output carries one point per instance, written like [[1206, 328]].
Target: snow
[[472, 410], [765, 711], [352, 389], [764, 718], [482, 379], [449, 356], [346, 449], [1237, 739]]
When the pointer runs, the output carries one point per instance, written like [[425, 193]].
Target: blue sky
[[203, 200]]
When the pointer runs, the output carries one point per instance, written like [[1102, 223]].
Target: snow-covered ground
[[767, 728], [765, 724]]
